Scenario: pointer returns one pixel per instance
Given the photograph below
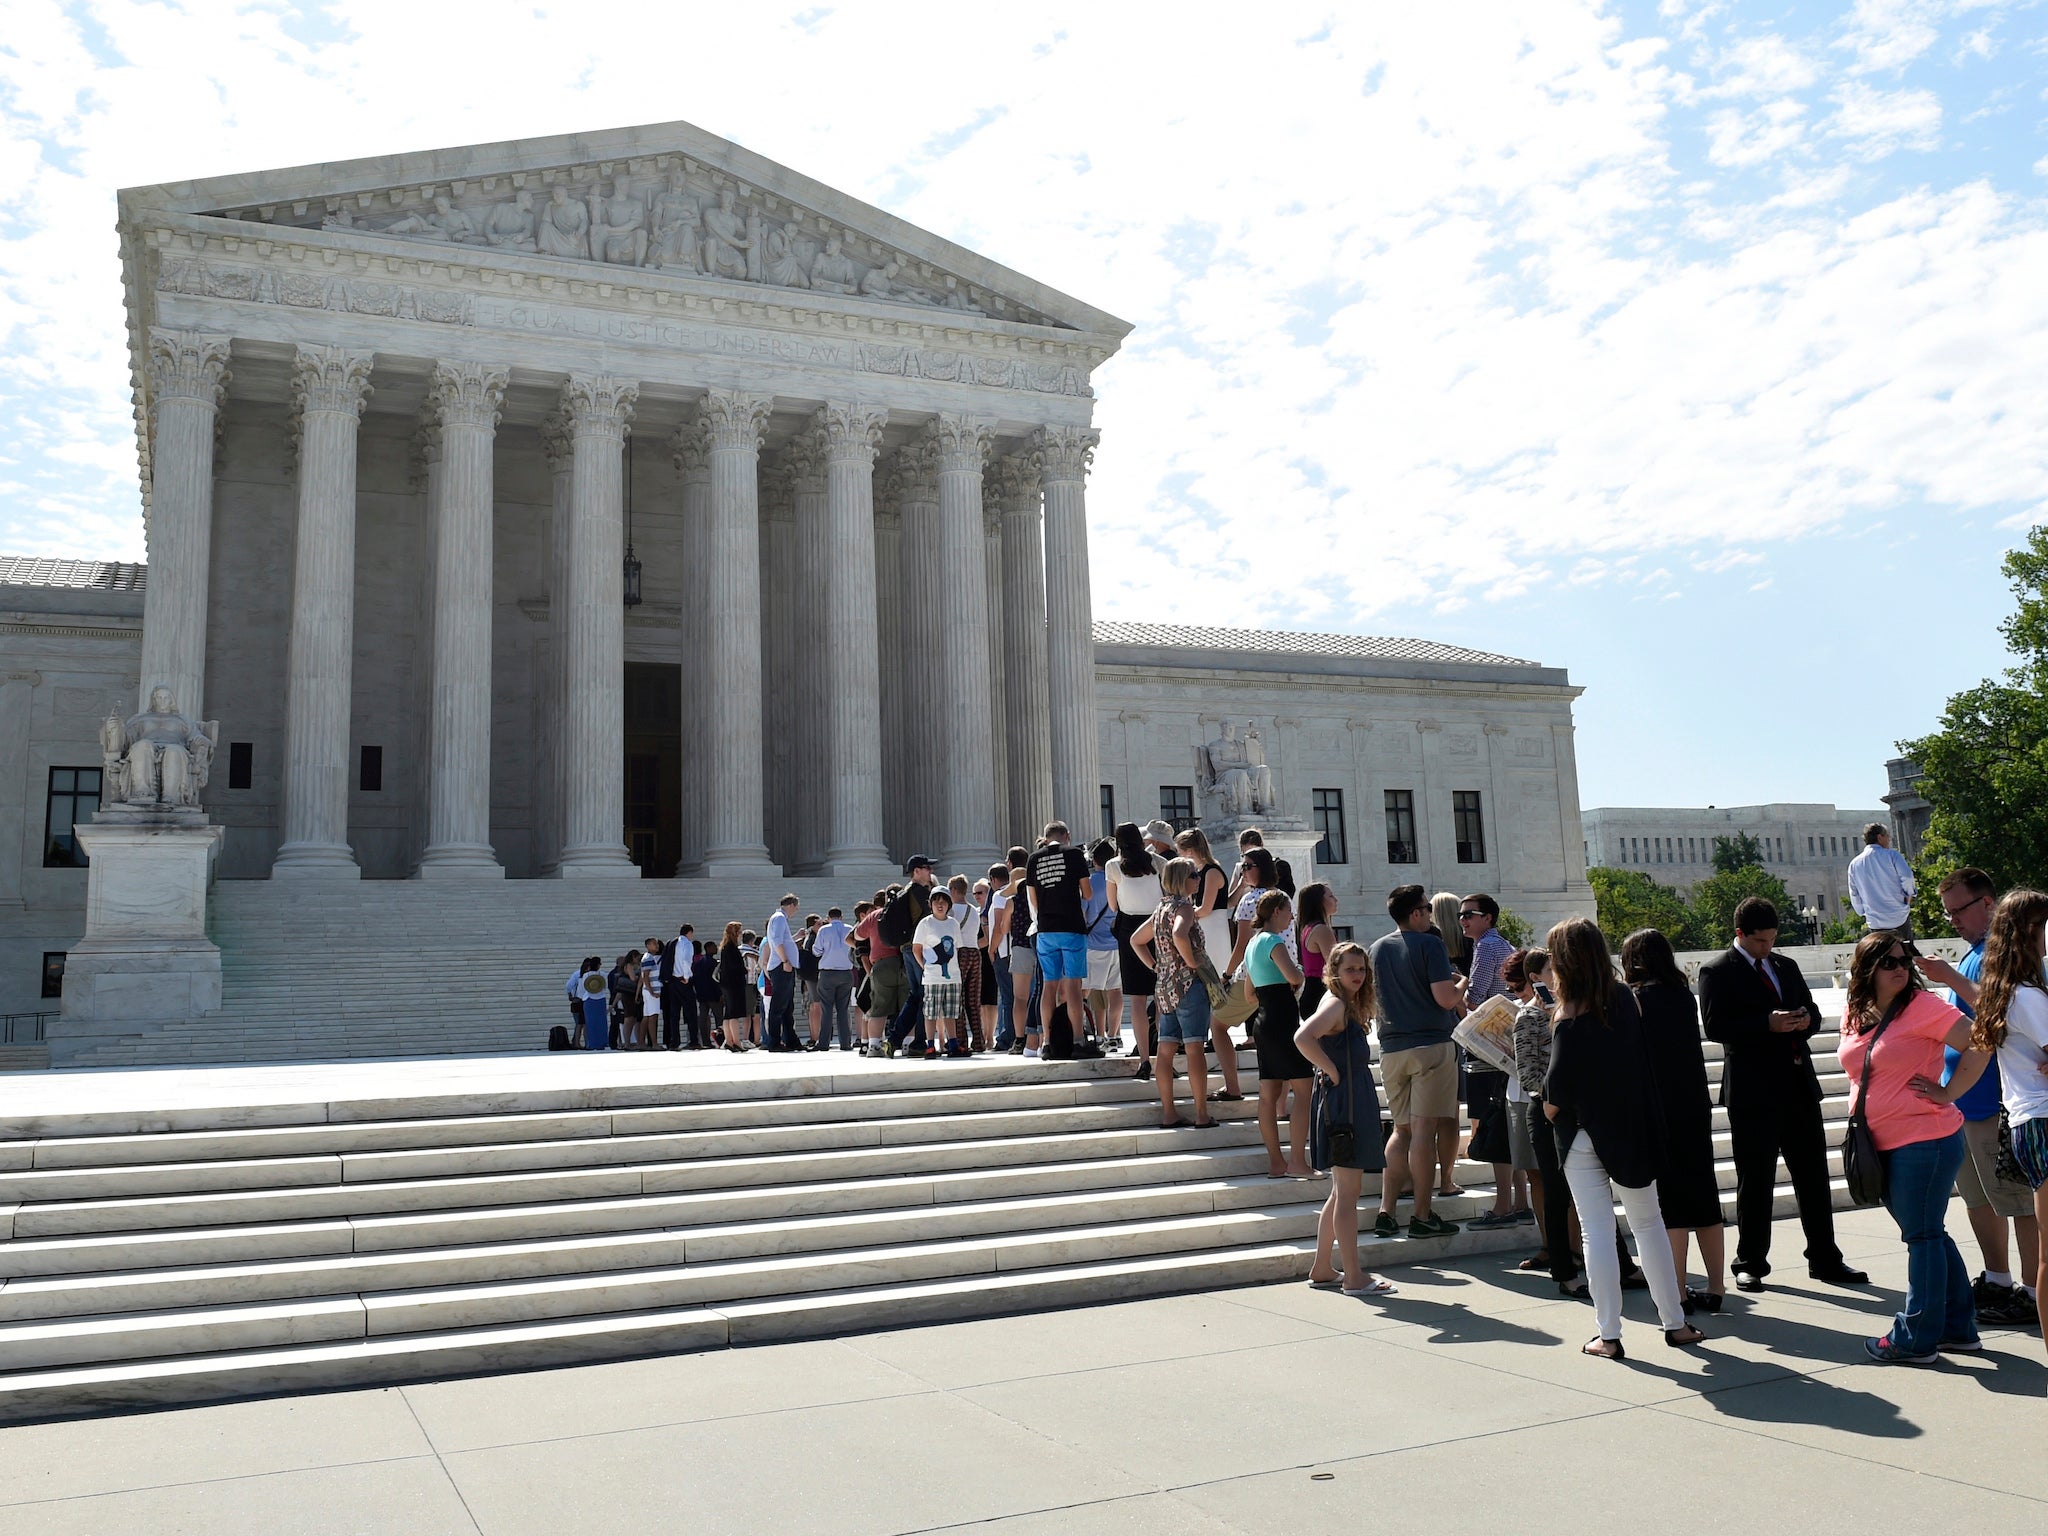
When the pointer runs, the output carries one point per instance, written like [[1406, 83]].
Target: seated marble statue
[[158, 757], [618, 228], [833, 272], [563, 223], [676, 230], [725, 239], [512, 226], [1237, 778], [783, 261]]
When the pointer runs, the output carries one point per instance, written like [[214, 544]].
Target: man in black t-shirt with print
[[1056, 878]]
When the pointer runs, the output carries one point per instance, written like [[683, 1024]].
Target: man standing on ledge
[[778, 959], [1057, 879], [1757, 1006], [1881, 883]]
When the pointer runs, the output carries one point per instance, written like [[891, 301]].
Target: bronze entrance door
[[654, 767]]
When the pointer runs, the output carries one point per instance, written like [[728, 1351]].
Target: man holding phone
[[1757, 1006]]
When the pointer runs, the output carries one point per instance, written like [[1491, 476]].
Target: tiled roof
[[99, 575], [1289, 642]]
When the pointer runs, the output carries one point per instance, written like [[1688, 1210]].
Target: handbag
[[1862, 1163], [2004, 1162]]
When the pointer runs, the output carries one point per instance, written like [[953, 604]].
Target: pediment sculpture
[[665, 221], [158, 759], [1231, 771]]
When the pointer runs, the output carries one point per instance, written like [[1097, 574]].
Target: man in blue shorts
[[1056, 877]]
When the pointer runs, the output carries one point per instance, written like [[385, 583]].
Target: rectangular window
[[1401, 827], [1327, 808], [1471, 830], [1177, 805], [241, 764], [1809, 847], [53, 972], [371, 780], [74, 796], [1108, 809], [1342, 931]]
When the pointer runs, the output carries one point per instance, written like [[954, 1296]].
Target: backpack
[[558, 1038], [897, 925]]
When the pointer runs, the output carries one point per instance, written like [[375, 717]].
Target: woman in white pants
[[1602, 1101]]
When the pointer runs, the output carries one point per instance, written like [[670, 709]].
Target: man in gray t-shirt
[[1419, 1004]]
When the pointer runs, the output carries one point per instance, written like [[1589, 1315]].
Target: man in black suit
[[1756, 1004]]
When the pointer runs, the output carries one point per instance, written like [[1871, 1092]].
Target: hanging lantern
[[632, 561]]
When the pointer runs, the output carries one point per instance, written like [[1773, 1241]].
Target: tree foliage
[[1985, 769], [1715, 899], [1738, 852], [1515, 928], [1628, 899]]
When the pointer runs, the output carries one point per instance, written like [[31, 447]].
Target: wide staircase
[[380, 968], [346, 1233]]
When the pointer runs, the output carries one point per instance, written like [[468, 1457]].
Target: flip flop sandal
[[1203, 1125], [1379, 1287]]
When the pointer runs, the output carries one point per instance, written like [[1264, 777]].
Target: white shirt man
[[1881, 883]]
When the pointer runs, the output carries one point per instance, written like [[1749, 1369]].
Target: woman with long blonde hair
[[1344, 1122], [2012, 1019]]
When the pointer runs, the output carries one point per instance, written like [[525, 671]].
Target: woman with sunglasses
[[1893, 1032]]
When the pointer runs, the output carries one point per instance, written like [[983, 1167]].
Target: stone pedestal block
[[145, 957], [1286, 837]]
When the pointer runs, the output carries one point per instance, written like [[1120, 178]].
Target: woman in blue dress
[[1344, 1125], [595, 989]]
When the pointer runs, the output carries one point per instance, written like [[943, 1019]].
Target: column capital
[[777, 488], [806, 456], [1064, 453], [991, 506], [426, 452], [690, 443], [185, 365], [599, 405], [557, 441], [733, 419], [468, 394], [331, 379], [1015, 479], [852, 430], [960, 443], [916, 470]]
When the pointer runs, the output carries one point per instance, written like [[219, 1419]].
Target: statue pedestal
[[1286, 837], [145, 958]]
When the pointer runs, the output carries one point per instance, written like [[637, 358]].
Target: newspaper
[[1488, 1032]]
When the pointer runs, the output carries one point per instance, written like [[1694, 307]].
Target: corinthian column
[[553, 766], [1025, 731], [968, 837], [599, 408], [188, 379], [924, 734], [847, 660], [776, 487], [1063, 456], [466, 397], [886, 491], [329, 387], [734, 839], [811, 556], [692, 447], [998, 685]]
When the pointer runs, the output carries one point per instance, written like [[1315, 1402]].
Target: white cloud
[[1879, 123], [1887, 35]]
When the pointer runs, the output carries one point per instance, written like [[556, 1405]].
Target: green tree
[[1985, 769], [1628, 899], [1715, 899], [1515, 928], [1738, 852], [1845, 929]]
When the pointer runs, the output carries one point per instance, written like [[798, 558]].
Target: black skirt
[[1280, 1059], [1138, 978]]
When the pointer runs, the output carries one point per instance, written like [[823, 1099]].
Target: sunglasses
[[1894, 962], [1466, 917]]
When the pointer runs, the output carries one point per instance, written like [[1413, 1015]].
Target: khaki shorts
[[1422, 1081], [1104, 973], [1977, 1181]]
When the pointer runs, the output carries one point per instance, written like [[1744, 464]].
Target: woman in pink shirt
[[1893, 1032]]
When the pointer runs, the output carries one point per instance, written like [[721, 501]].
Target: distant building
[[1807, 846], [1910, 813]]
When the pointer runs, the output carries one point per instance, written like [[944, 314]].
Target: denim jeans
[[1939, 1306], [1005, 1035], [835, 998], [782, 1010]]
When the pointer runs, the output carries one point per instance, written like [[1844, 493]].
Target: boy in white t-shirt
[[935, 946]]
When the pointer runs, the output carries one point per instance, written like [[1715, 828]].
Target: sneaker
[[1885, 1352], [1016, 1048], [1960, 1347], [1384, 1225], [1488, 1221], [1431, 1225], [1031, 1053], [1525, 1216]]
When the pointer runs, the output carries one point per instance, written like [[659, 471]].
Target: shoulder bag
[[1862, 1163]]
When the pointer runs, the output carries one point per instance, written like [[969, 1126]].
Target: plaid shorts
[[942, 999], [2030, 1150]]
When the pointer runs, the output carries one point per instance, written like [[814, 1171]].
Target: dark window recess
[[1177, 805], [1108, 809], [241, 764], [371, 780], [53, 972], [643, 804], [74, 797], [1342, 931], [1471, 830], [1401, 827], [1328, 810]]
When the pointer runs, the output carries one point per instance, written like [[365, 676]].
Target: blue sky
[[1694, 347]]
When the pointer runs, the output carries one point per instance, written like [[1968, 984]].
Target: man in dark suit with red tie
[[1757, 1006]]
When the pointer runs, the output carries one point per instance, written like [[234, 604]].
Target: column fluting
[[1064, 454], [780, 813], [998, 666], [599, 408], [1025, 723], [811, 757], [188, 378], [466, 398], [551, 769], [734, 837], [886, 488], [692, 447], [965, 710], [330, 386], [851, 716]]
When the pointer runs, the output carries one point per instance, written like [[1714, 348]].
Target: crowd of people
[[1606, 1100]]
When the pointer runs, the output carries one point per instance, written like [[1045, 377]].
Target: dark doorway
[[654, 768]]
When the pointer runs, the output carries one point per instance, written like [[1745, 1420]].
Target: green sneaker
[[1384, 1225], [1431, 1225]]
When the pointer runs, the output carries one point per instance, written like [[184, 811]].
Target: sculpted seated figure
[[563, 226], [1234, 774], [512, 226], [833, 272], [158, 757], [783, 261], [618, 228], [677, 231], [725, 239]]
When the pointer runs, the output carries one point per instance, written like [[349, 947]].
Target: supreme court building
[[625, 506]]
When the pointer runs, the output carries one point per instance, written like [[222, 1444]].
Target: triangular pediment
[[667, 198]]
